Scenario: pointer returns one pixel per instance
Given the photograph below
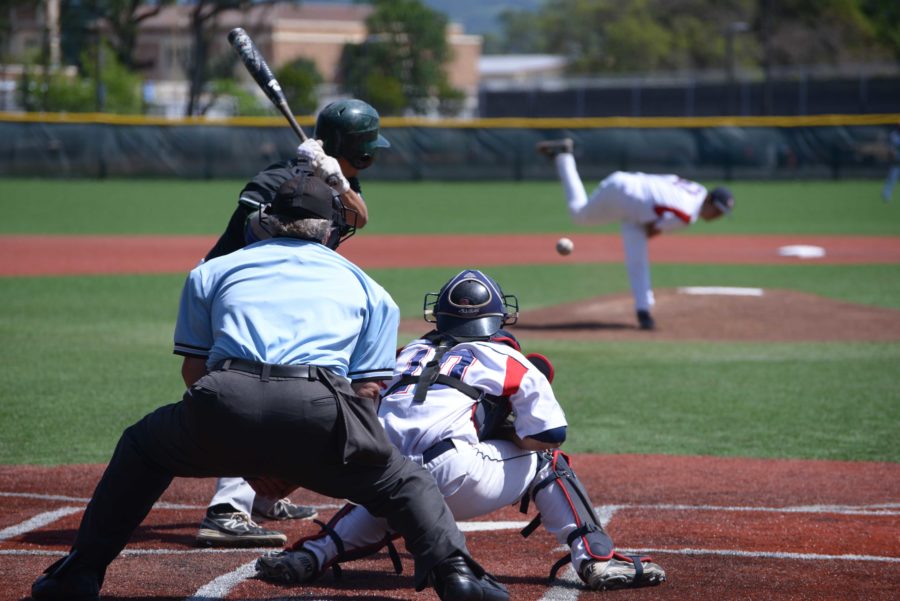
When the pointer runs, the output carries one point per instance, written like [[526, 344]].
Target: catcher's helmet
[[349, 128], [471, 305]]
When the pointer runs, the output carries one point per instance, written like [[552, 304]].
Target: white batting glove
[[329, 170], [311, 151]]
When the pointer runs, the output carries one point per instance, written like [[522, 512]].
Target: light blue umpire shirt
[[290, 302]]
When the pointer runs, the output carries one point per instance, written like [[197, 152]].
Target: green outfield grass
[[201, 207], [86, 356]]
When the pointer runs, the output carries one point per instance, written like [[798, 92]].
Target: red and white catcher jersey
[[446, 412]]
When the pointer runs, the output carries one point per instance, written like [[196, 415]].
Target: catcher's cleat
[[551, 148], [282, 509], [236, 529], [454, 580], [615, 574], [645, 320], [289, 567]]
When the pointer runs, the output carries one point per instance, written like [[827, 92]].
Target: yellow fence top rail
[[512, 122]]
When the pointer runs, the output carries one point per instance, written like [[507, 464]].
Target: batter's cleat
[[615, 574], [454, 580], [236, 529], [67, 580], [645, 320], [282, 509], [288, 567], [552, 148]]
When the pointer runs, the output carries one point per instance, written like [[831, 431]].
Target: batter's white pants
[[607, 204], [475, 481], [238, 493]]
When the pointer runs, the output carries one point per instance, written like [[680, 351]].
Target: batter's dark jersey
[[262, 189]]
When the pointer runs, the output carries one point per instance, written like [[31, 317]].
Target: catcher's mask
[[471, 305], [349, 128], [303, 197]]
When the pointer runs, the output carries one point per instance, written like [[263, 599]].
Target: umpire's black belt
[[268, 370], [436, 450]]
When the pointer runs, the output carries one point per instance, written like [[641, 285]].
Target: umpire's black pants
[[232, 423]]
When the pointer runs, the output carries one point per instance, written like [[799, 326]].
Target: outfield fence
[[100, 146]]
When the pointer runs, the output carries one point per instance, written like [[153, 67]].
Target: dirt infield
[[65, 255], [722, 528], [702, 314]]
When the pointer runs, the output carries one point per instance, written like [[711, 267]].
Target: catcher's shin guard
[[345, 555], [597, 542]]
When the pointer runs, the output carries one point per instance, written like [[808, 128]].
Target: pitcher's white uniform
[[635, 200], [476, 477]]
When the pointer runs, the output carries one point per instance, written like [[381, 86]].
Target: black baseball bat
[[259, 69]]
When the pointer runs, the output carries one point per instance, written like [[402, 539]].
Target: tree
[[885, 17], [601, 36], [299, 80], [121, 19], [401, 64], [58, 92], [521, 34]]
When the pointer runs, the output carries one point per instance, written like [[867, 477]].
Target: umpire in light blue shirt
[[272, 336]]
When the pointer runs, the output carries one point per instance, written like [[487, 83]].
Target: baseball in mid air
[[564, 246]]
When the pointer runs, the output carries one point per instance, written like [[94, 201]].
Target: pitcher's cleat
[[552, 148]]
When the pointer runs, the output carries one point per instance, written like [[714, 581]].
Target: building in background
[[283, 32]]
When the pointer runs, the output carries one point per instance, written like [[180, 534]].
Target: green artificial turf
[[86, 356], [203, 207], [801, 400]]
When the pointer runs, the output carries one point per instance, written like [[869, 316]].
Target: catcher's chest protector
[[490, 410]]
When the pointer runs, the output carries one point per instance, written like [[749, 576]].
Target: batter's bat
[[257, 67]]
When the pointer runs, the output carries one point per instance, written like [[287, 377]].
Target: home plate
[[802, 251], [721, 290]]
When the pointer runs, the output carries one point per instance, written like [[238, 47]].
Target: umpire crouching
[[271, 336]]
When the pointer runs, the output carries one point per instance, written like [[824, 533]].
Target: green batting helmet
[[349, 129]]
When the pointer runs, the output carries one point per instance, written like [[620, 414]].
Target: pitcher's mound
[[715, 314]]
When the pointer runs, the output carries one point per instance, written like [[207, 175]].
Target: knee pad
[[597, 542]]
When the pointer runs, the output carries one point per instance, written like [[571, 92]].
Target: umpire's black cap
[[304, 197], [723, 199]]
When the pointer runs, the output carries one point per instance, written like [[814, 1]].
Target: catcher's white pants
[[475, 480], [608, 203]]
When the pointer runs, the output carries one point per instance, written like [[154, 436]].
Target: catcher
[[482, 418]]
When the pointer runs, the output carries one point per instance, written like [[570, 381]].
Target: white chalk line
[[36, 522], [764, 554], [144, 552], [879, 509], [221, 586], [567, 588], [158, 505]]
